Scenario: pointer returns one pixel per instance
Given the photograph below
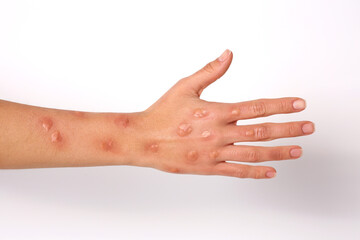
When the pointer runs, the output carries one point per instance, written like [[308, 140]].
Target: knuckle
[[293, 130], [209, 68], [284, 106], [261, 133], [259, 108], [258, 174], [253, 156], [240, 173], [277, 154]]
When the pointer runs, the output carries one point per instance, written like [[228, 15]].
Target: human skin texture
[[180, 133]]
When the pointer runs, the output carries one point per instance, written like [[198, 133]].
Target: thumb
[[212, 71]]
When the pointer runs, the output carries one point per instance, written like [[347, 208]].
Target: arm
[[180, 133]]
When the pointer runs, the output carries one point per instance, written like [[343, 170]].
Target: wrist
[[123, 139]]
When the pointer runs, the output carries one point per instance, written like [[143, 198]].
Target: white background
[[121, 56]]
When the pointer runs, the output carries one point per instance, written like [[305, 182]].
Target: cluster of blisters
[[47, 124]]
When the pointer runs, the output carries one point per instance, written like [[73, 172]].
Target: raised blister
[[107, 145], [235, 112], [56, 137], [184, 129], [154, 147], [192, 156], [213, 155], [205, 134], [249, 133], [200, 113], [46, 123], [122, 121], [78, 114]]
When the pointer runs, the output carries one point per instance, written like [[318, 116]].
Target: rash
[[184, 129]]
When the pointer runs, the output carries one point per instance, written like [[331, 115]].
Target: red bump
[[122, 121], [56, 137], [213, 155], [107, 145], [200, 113], [154, 147], [78, 114], [192, 156], [184, 129], [46, 123]]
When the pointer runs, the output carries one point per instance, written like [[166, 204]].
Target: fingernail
[[308, 128], [270, 174], [225, 55], [295, 152], [299, 104]]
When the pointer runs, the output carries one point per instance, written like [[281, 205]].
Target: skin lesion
[[213, 155], [192, 156], [235, 112], [121, 121], [184, 129], [249, 133], [56, 137], [171, 169], [78, 114], [152, 147], [46, 123], [200, 113], [206, 134], [108, 145]]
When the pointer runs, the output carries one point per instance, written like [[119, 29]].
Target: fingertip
[[299, 104], [225, 55], [308, 128], [296, 152], [270, 174]]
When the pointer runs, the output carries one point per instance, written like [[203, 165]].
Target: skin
[[180, 133]]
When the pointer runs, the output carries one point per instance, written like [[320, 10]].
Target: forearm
[[34, 137]]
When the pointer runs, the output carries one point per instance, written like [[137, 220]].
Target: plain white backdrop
[[121, 56]]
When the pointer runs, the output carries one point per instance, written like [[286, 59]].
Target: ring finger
[[266, 131]]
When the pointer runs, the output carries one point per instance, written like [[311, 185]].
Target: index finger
[[263, 107]]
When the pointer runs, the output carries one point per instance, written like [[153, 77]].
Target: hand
[[185, 134]]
